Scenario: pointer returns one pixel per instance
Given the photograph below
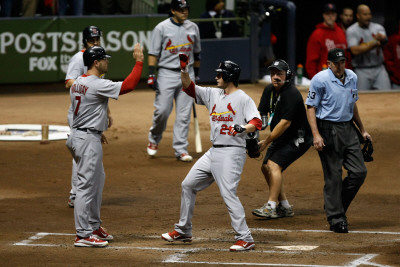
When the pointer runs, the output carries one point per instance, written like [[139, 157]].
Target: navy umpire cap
[[94, 53], [336, 55]]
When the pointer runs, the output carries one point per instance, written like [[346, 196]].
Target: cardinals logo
[[175, 49], [231, 109], [222, 116]]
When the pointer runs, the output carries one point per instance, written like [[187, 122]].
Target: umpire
[[331, 110]]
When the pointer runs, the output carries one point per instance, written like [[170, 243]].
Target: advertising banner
[[39, 49]]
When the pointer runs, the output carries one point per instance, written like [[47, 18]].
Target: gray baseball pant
[[372, 78], [224, 166], [87, 151], [169, 88]]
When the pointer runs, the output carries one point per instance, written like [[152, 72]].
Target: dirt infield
[[141, 198]]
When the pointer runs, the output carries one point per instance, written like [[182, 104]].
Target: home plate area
[[215, 251]]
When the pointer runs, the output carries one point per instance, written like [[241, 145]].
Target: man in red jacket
[[326, 36], [391, 52]]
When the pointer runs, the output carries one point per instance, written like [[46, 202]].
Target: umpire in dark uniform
[[331, 110], [289, 139]]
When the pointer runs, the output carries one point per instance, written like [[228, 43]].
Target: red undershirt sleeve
[[190, 91], [133, 79], [256, 122]]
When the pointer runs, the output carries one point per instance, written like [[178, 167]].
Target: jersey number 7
[[78, 97]]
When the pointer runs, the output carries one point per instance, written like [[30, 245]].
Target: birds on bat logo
[[222, 116], [175, 49]]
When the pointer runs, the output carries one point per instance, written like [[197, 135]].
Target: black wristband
[[152, 70], [196, 71]]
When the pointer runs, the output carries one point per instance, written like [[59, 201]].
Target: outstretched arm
[[133, 78], [187, 83]]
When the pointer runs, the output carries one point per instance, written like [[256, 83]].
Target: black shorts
[[287, 153]]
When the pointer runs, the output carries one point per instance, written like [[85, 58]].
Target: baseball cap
[[329, 7], [336, 55], [280, 65]]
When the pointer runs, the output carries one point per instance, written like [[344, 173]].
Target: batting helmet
[[90, 32], [230, 71], [178, 4], [94, 53]]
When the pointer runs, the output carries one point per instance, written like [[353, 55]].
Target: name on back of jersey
[[79, 89]]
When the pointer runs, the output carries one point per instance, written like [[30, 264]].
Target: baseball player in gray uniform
[[365, 40], [170, 37], [89, 98], [90, 37], [232, 114]]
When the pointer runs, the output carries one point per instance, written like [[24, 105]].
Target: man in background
[[365, 40], [326, 36]]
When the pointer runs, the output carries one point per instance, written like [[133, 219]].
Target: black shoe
[[340, 227]]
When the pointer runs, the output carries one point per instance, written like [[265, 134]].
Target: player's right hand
[[235, 129], [152, 82], [184, 60]]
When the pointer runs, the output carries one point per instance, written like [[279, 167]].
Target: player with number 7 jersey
[[89, 96]]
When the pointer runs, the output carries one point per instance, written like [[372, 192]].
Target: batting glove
[[235, 129], [151, 81], [184, 60]]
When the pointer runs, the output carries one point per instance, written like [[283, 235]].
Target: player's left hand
[[235, 129], [366, 136], [184, 61], [138, 52], [104, 139], [110, 120]]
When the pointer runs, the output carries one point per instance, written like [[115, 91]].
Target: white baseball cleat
[[185, 157], [90, 241], [241, 245], [152, 149]]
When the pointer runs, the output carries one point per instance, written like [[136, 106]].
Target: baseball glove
[[367, 148], [367, 151], [252, 147]]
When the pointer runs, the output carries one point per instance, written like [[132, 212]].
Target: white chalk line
[[183, 252], [321, 231], [37, 236]]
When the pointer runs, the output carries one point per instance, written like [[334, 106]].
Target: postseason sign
[[39, 49]]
